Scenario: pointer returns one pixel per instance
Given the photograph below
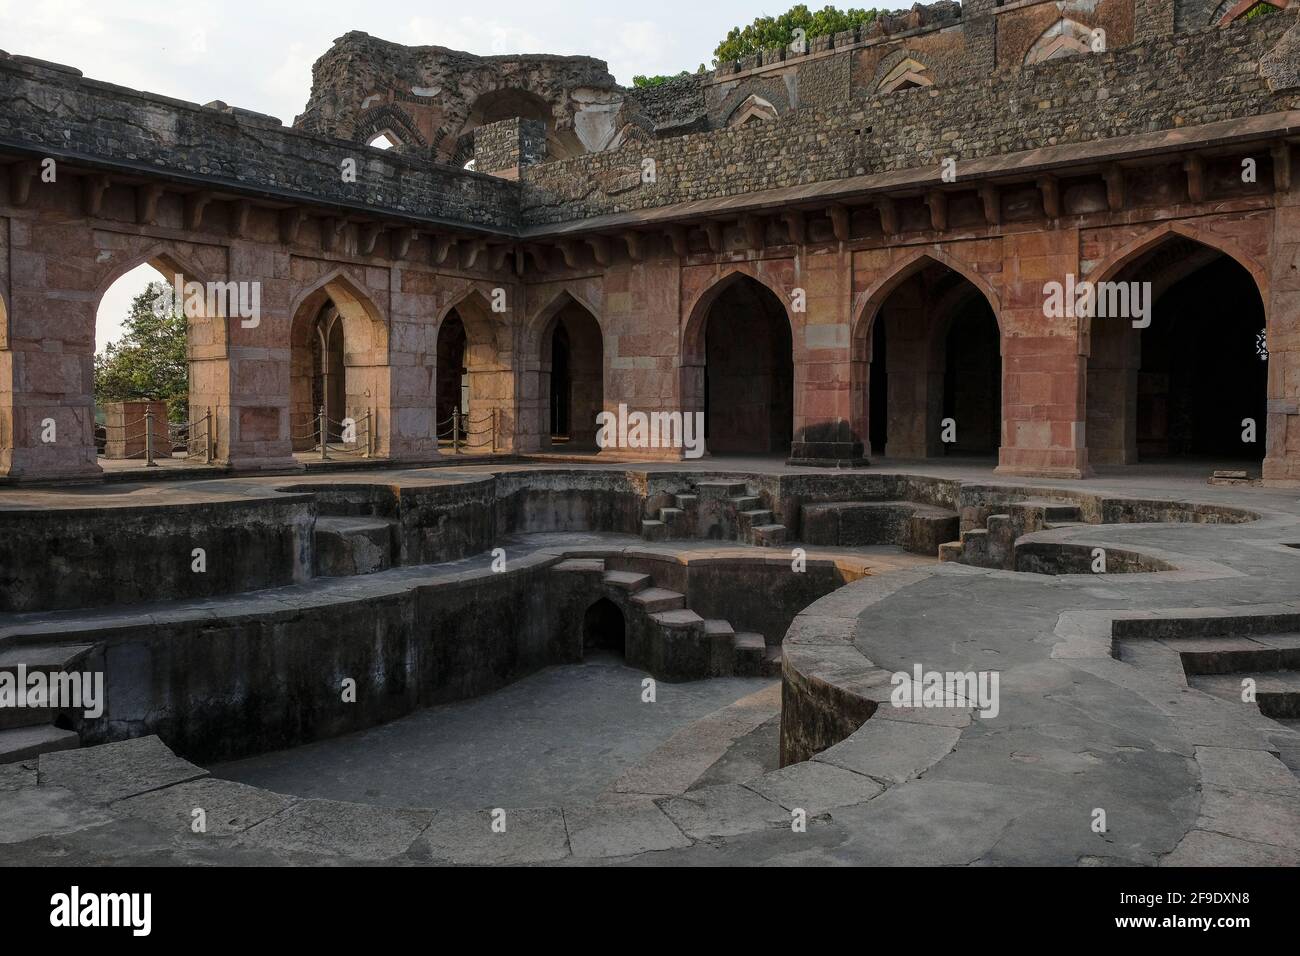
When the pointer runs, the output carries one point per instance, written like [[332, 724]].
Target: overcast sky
[[258, 55]]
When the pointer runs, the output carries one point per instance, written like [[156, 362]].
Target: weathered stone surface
[[600, 832], [331, 828], [467, 837], [815, 787], [723, 810], [116, 771], [892, 750], [228, 807]]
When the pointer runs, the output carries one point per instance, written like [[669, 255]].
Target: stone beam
[[1050, 189], [195, 203], [92, 194], [146, 203], [291, 221], [937, 200], [839, 216]]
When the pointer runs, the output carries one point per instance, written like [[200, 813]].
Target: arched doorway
[[926, 372], [603, 628], [746, 383], [971, 422], [1190, 381], [572, 377], [338, 364], [452, 389], [165, 352]]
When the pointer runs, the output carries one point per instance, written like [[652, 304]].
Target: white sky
[[258, 55]]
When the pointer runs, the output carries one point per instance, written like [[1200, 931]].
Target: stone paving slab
[[892, 750], [815, 787], [335, 829], [115, 771], [530, 836], [725, 810], [228, 807], [1205, 848], [601, 832]]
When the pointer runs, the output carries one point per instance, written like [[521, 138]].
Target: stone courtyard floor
[[1086, 723]]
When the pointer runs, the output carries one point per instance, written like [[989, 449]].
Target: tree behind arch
[[149, 361]]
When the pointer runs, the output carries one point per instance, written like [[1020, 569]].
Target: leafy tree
[[767, 33], [641, 81], [148, 362], [1259, 10]]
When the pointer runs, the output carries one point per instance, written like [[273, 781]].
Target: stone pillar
[[1044, 374], [47, 344], [823, 426], [912, 429], [504, 147], [1282, 461]]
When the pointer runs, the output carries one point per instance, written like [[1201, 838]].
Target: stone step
[[1063, 514], [1237, 655], [747, 502], [722, 647], [1277, 693], [629, 581], [720, 489], [772, 661], [676, 521], [652, 530], [352, 545], [24, 743], [654, 600], [580, 565], [769, 535], [950, 551], [47, 658], [750, 649], [678, 619], [687, 502], [747, 521]]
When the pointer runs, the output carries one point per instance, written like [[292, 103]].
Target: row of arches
[[926, 363]]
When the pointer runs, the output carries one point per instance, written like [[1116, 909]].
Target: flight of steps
[[1218, 666], [722, 510], [27, 732], [994, 545], [677, 642]]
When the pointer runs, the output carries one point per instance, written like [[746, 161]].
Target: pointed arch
[[537, 325], [692, 346], [900, 394], [364, 327], [868, 302], [737, 364], [1064, 38], [753, 109], [908, 73], [1138, 399]]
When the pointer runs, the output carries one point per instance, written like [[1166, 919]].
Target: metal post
[[455, 430], [494, 429], [207, 437], [148, 437], [370, 434], [324, 434]]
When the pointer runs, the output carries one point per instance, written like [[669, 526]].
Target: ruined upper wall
[[54, 111], [1168, 82], [431, 99]]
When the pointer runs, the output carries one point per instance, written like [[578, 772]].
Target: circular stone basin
[[563, 735]]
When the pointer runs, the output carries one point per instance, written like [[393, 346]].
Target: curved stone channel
[[1096, 712]]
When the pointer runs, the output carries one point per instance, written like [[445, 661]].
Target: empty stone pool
[[563, 735]]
